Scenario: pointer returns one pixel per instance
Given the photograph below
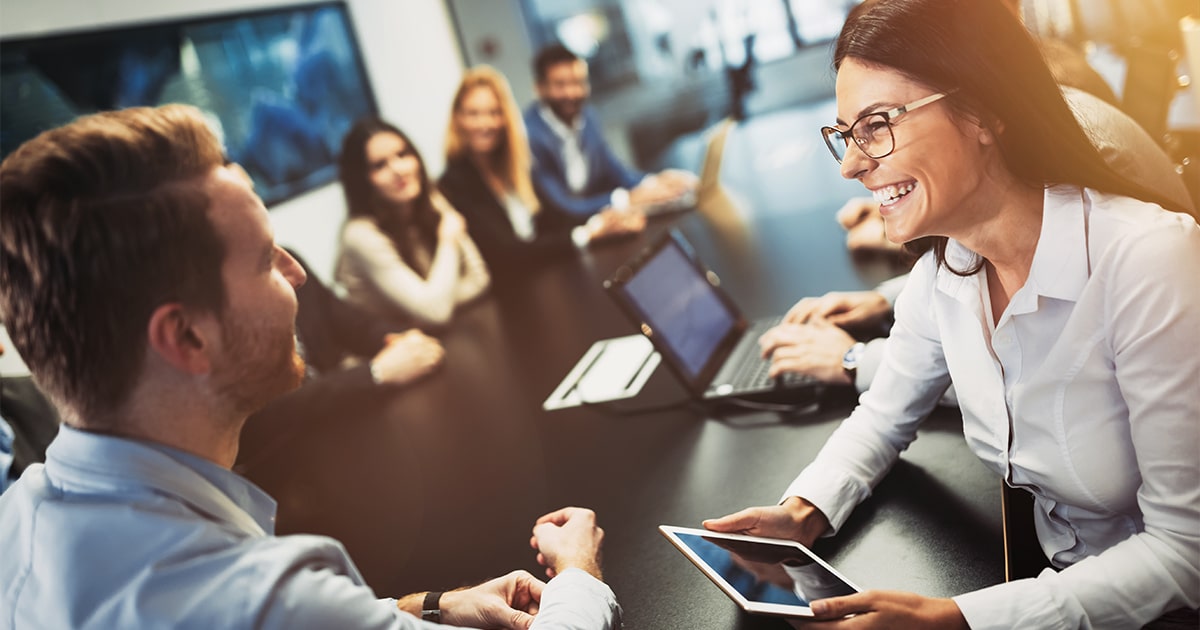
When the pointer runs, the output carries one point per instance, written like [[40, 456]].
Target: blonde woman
[[487, 179], [405, 253]]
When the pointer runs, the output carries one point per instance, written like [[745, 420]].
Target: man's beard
[[563, 107], [258, 366]]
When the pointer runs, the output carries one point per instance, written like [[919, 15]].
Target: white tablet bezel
[[783, 610]]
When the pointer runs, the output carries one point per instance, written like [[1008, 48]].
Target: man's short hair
[[101, 222], [549, 57]]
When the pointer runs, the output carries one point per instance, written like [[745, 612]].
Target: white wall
[[409, 47], [493, 32]]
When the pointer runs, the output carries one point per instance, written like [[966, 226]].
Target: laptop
[[708, 185], [701, 334]]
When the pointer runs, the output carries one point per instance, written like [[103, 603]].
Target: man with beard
[[574, 170], [140, 281]]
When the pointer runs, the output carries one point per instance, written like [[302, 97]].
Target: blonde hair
[[510, 160]]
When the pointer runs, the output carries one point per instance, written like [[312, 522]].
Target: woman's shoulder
[[362, 233], [1129, 233]]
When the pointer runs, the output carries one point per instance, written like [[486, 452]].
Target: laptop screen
[[684, 311]]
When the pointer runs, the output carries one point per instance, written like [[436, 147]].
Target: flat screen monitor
[[280, 86]]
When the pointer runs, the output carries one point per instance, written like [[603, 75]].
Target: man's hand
[[814, 349], [568, 538], [656, 189], [678, 181], [610, 223], [510, 601], [853, 308], [885, 609], [406, 357]]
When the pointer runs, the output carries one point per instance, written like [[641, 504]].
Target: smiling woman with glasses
[[1060, 298]]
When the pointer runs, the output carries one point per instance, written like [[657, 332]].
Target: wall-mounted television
[[281, 86]]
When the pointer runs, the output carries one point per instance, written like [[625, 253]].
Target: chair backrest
[[1128, 148]]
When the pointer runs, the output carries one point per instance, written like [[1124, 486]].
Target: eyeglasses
[[873, 132]]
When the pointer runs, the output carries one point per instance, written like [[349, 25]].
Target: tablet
[[763, 575]]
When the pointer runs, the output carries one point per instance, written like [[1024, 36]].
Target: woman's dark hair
[[362, 200], [981, 52]]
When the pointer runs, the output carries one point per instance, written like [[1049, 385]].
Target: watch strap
[[431, 608]]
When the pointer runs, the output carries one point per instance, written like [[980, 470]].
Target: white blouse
[[1086, 393], [378, 280]]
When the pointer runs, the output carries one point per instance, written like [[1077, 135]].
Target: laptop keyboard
[[748, 370]]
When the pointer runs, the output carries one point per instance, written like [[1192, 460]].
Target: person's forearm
[[590, 566]]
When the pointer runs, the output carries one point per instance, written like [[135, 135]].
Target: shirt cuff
[[576, 599], [619, 199], [1026, 603], [580, 236], [834, 493]]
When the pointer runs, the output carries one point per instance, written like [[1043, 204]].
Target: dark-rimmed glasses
[[872, 132]]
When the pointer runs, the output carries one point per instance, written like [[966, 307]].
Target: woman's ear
[[990, 131]]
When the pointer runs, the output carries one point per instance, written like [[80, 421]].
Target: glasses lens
[[873, 134], [836, 141]]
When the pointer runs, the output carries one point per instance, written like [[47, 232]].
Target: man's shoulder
[[78, 560], [536, 128]]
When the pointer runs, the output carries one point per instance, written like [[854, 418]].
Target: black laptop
[[701, 334]]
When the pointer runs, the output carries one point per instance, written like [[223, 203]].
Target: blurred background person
[[405, 253], [487, 179], [574, 170]]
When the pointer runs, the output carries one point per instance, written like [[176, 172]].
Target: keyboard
[[747, 371]]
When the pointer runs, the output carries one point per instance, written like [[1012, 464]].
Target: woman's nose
[[856, 164]]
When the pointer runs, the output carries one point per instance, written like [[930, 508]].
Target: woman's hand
[[406, 357], [795, 519], [884, 610], [815, 349], [853, 308], [451, 227]]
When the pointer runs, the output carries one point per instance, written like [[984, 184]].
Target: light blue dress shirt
[[118, 533], [6, 454]]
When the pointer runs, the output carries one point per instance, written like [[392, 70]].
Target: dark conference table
[[439, 485]]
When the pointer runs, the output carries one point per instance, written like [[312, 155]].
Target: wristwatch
[[430, 610], [851, 358]]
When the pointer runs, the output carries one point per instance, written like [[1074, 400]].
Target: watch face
[[850, 359]]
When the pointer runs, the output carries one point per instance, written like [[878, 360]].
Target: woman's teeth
[[890, 194]]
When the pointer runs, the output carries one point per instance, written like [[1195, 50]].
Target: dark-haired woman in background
[[1061, 299], [487, 179], [405, 253]]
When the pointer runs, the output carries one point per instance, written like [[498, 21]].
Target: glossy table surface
[[439, 485]]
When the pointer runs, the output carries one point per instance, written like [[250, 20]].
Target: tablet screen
[[778, 574]]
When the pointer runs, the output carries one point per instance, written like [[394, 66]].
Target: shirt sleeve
[[6, 454], [1152, 335], [474, 278], [891, 289], [911, 377], [574, 600], [552, 191], [430, 299]]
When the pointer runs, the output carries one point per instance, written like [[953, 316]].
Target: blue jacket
[[605, 172]]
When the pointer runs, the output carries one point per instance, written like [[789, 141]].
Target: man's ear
[[181, 339]]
